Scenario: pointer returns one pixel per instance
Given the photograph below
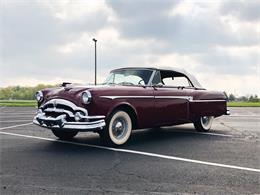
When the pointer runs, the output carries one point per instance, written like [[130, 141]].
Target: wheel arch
[[127, 108]]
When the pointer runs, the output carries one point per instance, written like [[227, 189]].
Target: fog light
[[77, 116]]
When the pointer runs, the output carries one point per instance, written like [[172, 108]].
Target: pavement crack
[[231, 128]]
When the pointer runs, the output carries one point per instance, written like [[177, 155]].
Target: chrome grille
[[56, 107]]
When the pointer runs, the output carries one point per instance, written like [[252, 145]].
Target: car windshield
[[129, 77]]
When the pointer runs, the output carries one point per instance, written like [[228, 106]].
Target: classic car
[[130, 98]]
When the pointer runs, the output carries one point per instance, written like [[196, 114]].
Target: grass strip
[[18, 103], [243, 104]]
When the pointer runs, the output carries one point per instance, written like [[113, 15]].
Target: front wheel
[[64, 134], [203, 124], [118, 130]]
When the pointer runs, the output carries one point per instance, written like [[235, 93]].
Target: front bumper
[[52, 116], [61, 123]]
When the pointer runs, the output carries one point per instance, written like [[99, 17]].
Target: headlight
[[86, 97], [39, 96]]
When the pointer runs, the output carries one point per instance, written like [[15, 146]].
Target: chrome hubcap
[[119, 128], [205, 120]]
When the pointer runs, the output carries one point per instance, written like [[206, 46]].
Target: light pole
[[95, 60]]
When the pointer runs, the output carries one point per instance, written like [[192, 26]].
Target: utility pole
[[95, 60]]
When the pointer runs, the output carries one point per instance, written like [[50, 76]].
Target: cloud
[[52, 41], [179, 24], [226, 60], [32, 31], [244, 10]]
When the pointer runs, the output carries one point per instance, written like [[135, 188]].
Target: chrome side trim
[[189, 98], [208, 100], [121, 97], [174, 97], [149, 97]]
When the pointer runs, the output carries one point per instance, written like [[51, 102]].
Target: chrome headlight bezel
[[86, 97], [39, 96]]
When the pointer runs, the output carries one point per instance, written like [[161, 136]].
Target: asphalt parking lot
[[155, 161]]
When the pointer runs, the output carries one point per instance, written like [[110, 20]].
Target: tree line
[[21, 93], [249, 98], [27, 93]]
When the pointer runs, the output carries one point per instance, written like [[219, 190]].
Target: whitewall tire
[[204, 123], [118, 130]]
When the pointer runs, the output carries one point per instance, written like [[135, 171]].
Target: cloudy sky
[[51, 41]]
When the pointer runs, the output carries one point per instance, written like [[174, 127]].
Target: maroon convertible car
[[130, 98]]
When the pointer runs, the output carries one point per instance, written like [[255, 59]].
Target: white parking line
[[240, 115], [205, 133], [15, 115], [16, 121], [175, 130], [14, 126], [18, 118], [215, 134], [139, 153]]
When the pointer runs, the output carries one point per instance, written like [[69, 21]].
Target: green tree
[[21, 93], [253, 98], [231, 97]]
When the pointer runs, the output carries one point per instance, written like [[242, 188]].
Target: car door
[[171, 102]]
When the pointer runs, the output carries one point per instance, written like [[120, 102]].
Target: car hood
[[70, 92], [73, 92]]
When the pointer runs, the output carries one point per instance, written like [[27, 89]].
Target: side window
[[157, 78], [176, 81]]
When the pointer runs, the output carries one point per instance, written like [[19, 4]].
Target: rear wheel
[[203, 124], [64, 134], [118, 130]]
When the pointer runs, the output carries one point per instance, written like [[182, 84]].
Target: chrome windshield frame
[[148, 83]]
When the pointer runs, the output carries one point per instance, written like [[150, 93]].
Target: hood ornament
[[64, 84]]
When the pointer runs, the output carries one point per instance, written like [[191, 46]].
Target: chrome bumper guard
[[80, 122], [227, 112]]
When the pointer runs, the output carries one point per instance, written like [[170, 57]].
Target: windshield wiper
[[109, 83]]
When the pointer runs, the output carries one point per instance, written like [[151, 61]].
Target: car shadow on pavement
[[155, 139], [146, 137], [143, 138], [162, 135]]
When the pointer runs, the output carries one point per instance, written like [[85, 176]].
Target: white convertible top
[[194, 81]]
